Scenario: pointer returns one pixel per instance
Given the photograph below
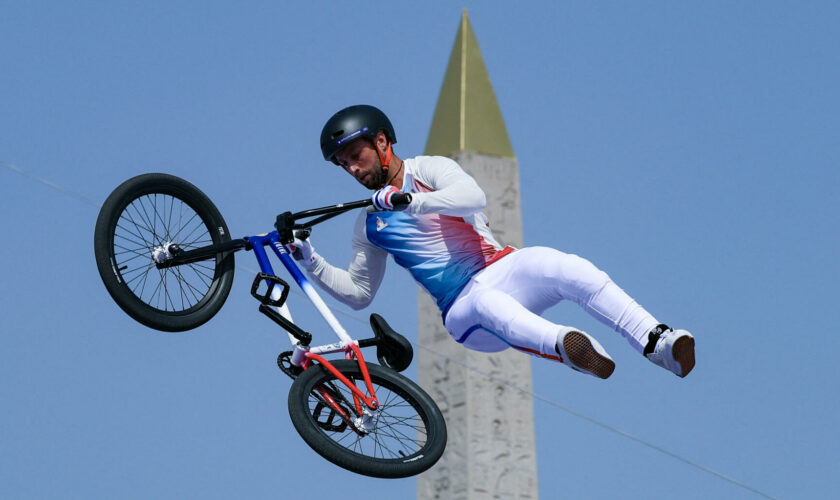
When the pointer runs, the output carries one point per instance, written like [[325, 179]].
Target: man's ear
[[381, 142]]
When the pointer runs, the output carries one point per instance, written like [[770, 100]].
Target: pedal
[[330, 420], [272, 281]]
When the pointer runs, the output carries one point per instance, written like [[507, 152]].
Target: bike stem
[[287, 222]]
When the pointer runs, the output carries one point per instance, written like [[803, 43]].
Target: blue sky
[[688, 149]]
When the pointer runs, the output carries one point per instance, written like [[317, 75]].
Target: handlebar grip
[[401, 200], [303, 234]]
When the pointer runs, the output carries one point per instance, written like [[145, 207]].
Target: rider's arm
[[453, 191], [356, 285]]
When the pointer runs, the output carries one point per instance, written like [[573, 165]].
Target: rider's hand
[[303, 252], [382, 199]]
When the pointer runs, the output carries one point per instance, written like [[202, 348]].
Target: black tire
[[409, 434], [147, 211]]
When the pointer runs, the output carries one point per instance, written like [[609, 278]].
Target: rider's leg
[[579, 280], [575, 278], [531, 280], [540, 277], [487, 319]]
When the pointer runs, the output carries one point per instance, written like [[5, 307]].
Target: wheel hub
[[165, 252], [366, 423]]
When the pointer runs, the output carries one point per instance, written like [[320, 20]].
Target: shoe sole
[[582, 354], [683, 352]]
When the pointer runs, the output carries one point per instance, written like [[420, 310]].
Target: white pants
[[501, 304]]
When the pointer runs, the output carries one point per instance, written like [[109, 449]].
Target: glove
[[303, 252], [382, 198]]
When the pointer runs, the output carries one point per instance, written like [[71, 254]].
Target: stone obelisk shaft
[[491, 451]]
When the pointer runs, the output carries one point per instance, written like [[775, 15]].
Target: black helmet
[[354, 123]]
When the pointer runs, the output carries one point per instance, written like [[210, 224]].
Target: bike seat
[[392, 349]]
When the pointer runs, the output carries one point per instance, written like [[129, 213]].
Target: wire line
[[65, 191]]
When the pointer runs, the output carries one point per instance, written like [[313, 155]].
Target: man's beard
[[377, 178]]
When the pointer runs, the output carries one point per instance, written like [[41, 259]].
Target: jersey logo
[[380, 224]]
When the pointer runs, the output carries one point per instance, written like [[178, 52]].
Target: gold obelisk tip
[[467, 116]]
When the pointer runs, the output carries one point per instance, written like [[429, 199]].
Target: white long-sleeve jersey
[[443, 238]]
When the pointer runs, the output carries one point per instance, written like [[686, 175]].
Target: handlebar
[[287, 222], [401, 200]]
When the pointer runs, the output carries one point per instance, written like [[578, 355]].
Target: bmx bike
[[165, 256]]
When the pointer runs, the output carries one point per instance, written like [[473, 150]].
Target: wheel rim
[[153, 220], [397, 432]]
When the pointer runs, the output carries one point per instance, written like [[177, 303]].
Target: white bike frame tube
[[304, 284], [331, 348], [283, 311], [299, 354]]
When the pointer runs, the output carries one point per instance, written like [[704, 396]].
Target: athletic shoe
[[671, 349], [583, 353]]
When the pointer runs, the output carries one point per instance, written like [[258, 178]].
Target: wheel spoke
[[152, 220], [398, 429], [143, 225], [187, 287], [137, 232]]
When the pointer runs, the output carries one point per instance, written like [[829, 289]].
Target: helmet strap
[[385, 161]]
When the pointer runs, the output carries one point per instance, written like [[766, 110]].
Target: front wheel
[[405, 436], [150, 215]]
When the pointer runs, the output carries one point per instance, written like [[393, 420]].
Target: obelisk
[[491, 452]]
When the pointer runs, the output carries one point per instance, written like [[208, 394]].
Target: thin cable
[[488, 376], [599, 423], [47, 183]]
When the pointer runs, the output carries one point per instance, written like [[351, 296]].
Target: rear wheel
[[405, 436], [150, 215]]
